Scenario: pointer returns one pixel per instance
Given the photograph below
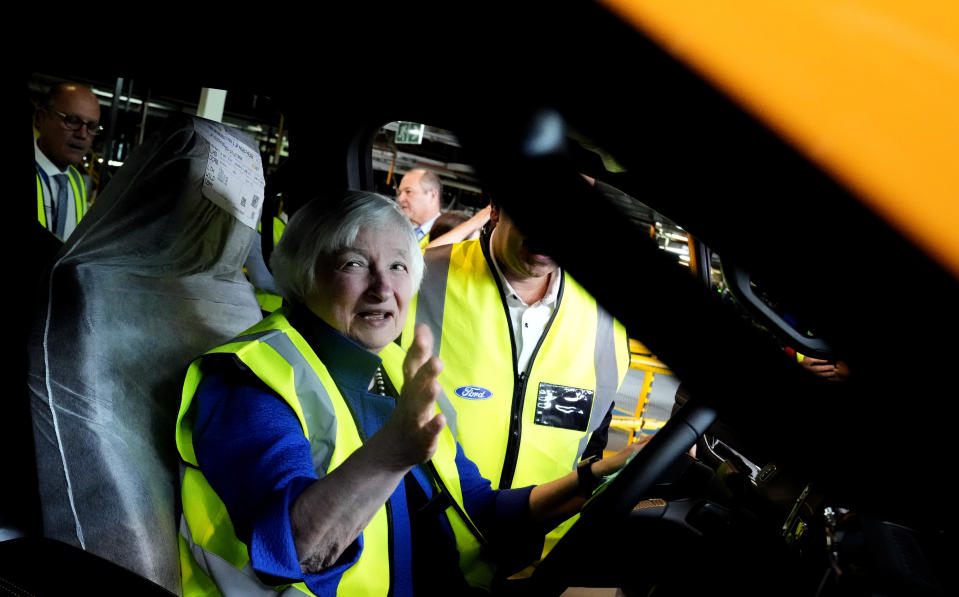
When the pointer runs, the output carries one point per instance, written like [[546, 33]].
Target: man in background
[[67, 121], [419, 198]]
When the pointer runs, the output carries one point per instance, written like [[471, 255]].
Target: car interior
[[589, 124]]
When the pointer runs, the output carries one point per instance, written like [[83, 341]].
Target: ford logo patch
[[473, 393]]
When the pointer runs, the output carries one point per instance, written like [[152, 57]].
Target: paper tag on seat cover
[[234, 173]]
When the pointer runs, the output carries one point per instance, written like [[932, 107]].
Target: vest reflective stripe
[[432, 297], [203, 572], [282, 359], [263, 349], [392, 357], [469, 541], [608, 377], [79, 196]]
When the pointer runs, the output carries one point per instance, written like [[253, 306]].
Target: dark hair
[[447, 221]]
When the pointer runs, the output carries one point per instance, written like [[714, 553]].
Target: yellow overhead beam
[[867, 89]]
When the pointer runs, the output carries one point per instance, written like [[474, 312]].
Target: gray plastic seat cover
[[150, 279]]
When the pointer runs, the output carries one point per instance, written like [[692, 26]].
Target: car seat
[[151, 278]]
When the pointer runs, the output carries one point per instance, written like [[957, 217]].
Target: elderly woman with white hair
[[316, 458]]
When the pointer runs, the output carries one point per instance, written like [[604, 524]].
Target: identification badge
[[563, 406]]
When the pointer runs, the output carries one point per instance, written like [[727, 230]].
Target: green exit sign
[[410, 133]]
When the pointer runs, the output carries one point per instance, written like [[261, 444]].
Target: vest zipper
[[516, 408], [521, 380], [515, 431], [519, 392]]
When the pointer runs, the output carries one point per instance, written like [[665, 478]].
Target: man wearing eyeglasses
[[68, 121]]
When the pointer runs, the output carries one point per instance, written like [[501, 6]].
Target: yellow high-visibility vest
[[79, 195], [509, 423], [212, 559]]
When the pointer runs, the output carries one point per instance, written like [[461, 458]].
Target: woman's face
[[364, 291]]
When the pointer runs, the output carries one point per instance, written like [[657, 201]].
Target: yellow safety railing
[[642, 359]]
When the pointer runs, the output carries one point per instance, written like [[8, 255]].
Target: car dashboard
[[759, 528]]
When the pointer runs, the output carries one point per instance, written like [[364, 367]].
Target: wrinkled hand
[[415, 425]]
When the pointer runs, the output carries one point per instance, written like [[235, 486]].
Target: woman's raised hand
[[415, 424]]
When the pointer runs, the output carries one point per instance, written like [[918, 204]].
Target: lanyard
[[49, 184], [49, 198], [43, 175]]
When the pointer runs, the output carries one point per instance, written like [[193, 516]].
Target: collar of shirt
[[44, 162], [351, 365], [527, 321], [512, 298], [428, 225]]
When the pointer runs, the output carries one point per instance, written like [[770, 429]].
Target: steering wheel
[[612, 503]]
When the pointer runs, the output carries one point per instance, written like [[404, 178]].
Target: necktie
[[62, 206]]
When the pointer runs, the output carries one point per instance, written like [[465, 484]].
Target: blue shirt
[[251, 448]]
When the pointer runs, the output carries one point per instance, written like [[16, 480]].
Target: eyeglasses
[[75, 123]]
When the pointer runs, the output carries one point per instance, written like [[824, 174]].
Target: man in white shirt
[[67, 122], [531, 363], [419, 198], [530, 284], [515, 332]]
